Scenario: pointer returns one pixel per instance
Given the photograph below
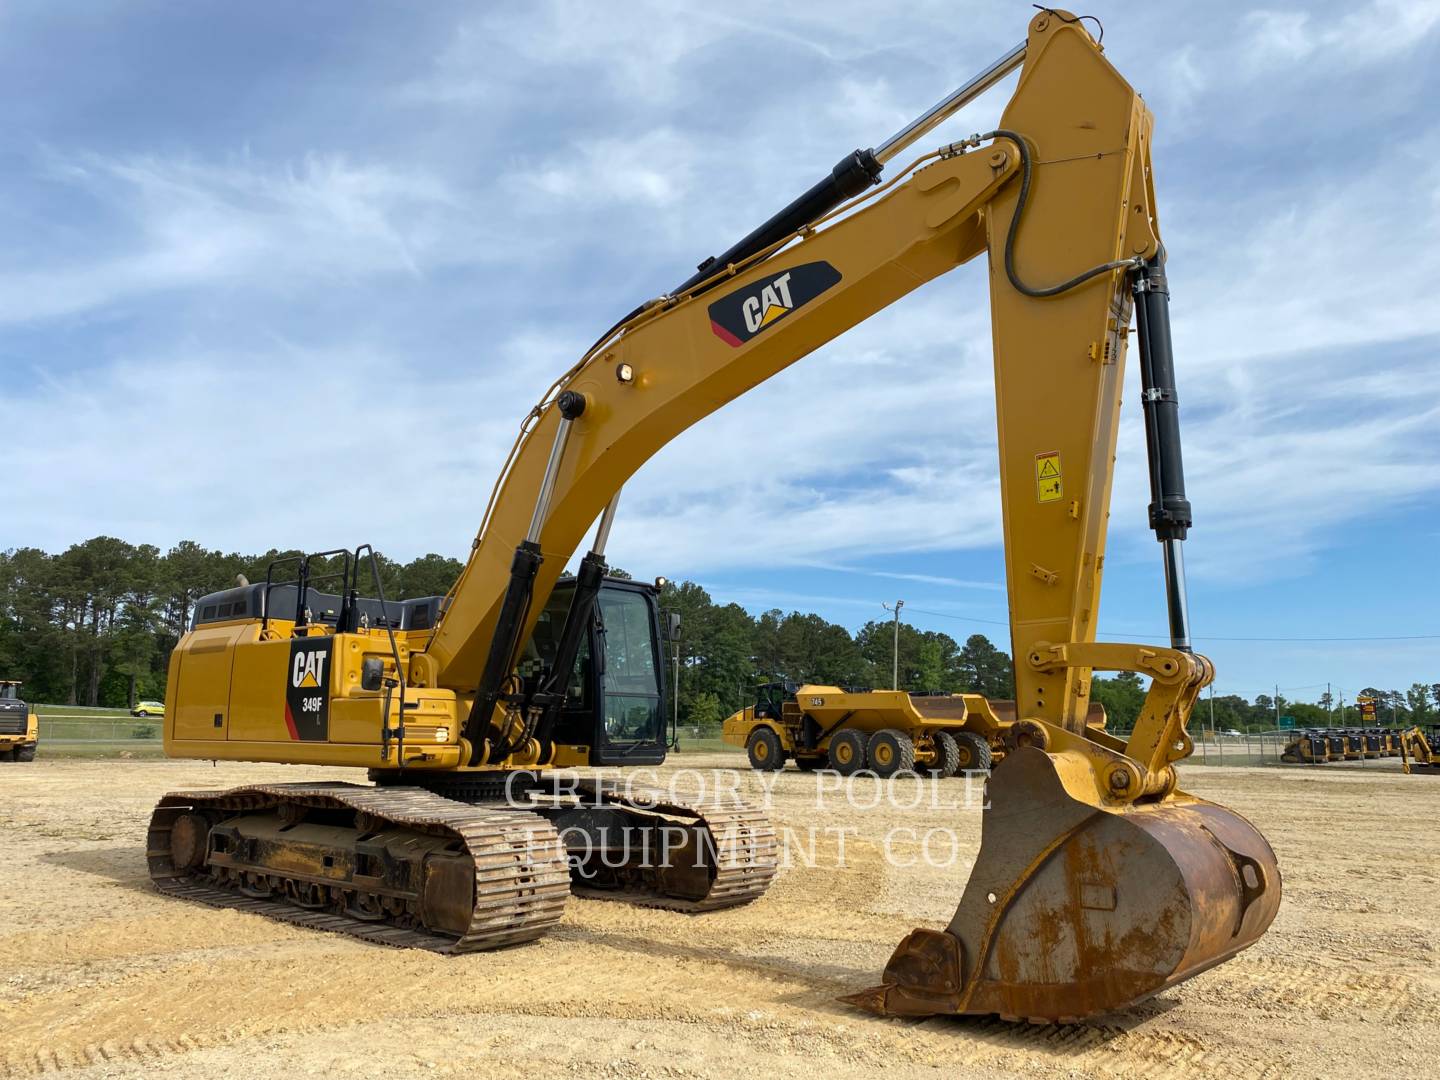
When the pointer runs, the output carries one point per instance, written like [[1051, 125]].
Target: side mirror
[[672, 625], [372, 672]]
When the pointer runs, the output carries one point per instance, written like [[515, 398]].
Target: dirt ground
[[100, 976]]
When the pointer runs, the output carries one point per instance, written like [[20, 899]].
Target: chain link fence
[[1251, 748], [73, 730]]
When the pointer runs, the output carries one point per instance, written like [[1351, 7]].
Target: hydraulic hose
[[1014, 230]]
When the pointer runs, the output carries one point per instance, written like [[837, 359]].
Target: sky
[[280, 275]]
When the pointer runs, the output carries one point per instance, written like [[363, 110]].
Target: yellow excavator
[[1098, 882], [1417, 753]]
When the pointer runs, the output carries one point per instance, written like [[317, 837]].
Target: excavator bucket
[[1074, 910]]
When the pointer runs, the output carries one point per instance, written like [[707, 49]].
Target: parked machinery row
[[1317, 747]]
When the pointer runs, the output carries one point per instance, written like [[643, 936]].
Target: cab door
[[631, 728]]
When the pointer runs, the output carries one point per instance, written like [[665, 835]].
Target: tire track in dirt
[[1285, 987], [139, 1051]]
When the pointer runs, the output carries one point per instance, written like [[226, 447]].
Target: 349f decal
[[307, 689], [746, 312]]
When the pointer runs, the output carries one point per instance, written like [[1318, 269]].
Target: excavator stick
[[1098, 883], [1073, 910]]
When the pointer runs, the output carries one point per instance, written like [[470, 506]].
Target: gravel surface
[[100, 976]]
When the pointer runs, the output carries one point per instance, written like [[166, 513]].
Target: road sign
[[1287, 721]]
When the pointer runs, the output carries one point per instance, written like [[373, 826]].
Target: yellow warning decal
[[1049, 487]]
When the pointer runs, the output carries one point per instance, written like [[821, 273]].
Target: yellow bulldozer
[[1099, 882], [19, 726], [886, 732]]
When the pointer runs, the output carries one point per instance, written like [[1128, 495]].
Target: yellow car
[[148, 708]]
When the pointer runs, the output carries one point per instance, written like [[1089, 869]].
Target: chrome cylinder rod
[[607, 519], [570, 406], [950, 105], [1178, 606]]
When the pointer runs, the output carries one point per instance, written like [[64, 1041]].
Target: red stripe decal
[[290, 723], [725, 335]]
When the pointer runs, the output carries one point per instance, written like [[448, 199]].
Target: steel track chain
[[522, 878]]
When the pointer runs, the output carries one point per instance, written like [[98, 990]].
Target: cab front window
[[632, 676]]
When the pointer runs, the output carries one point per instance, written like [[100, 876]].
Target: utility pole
[[895, 669], [1212, 710], [1329, 708], [1277, 706]]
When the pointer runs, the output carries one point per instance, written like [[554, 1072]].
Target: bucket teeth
[[923, 978]]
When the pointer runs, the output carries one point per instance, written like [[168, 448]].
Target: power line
[[1203, 637], [1387, 637], [963, 618], [1229, 690]]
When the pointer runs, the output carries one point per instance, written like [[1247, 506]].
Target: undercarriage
[[406, 866]]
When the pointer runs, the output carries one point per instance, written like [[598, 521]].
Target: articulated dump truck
[[19, 726], [886, 732], [1099, 881]]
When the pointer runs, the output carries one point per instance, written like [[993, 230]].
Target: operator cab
[[615, 698], [770, 699]]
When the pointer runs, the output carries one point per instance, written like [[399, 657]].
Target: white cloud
[[188, 224], [939, 579], [653, 54], [1365, 35], [655, 169], [247, 449]]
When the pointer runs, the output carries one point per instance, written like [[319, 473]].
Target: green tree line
[[95, 625], [1230, 712]]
